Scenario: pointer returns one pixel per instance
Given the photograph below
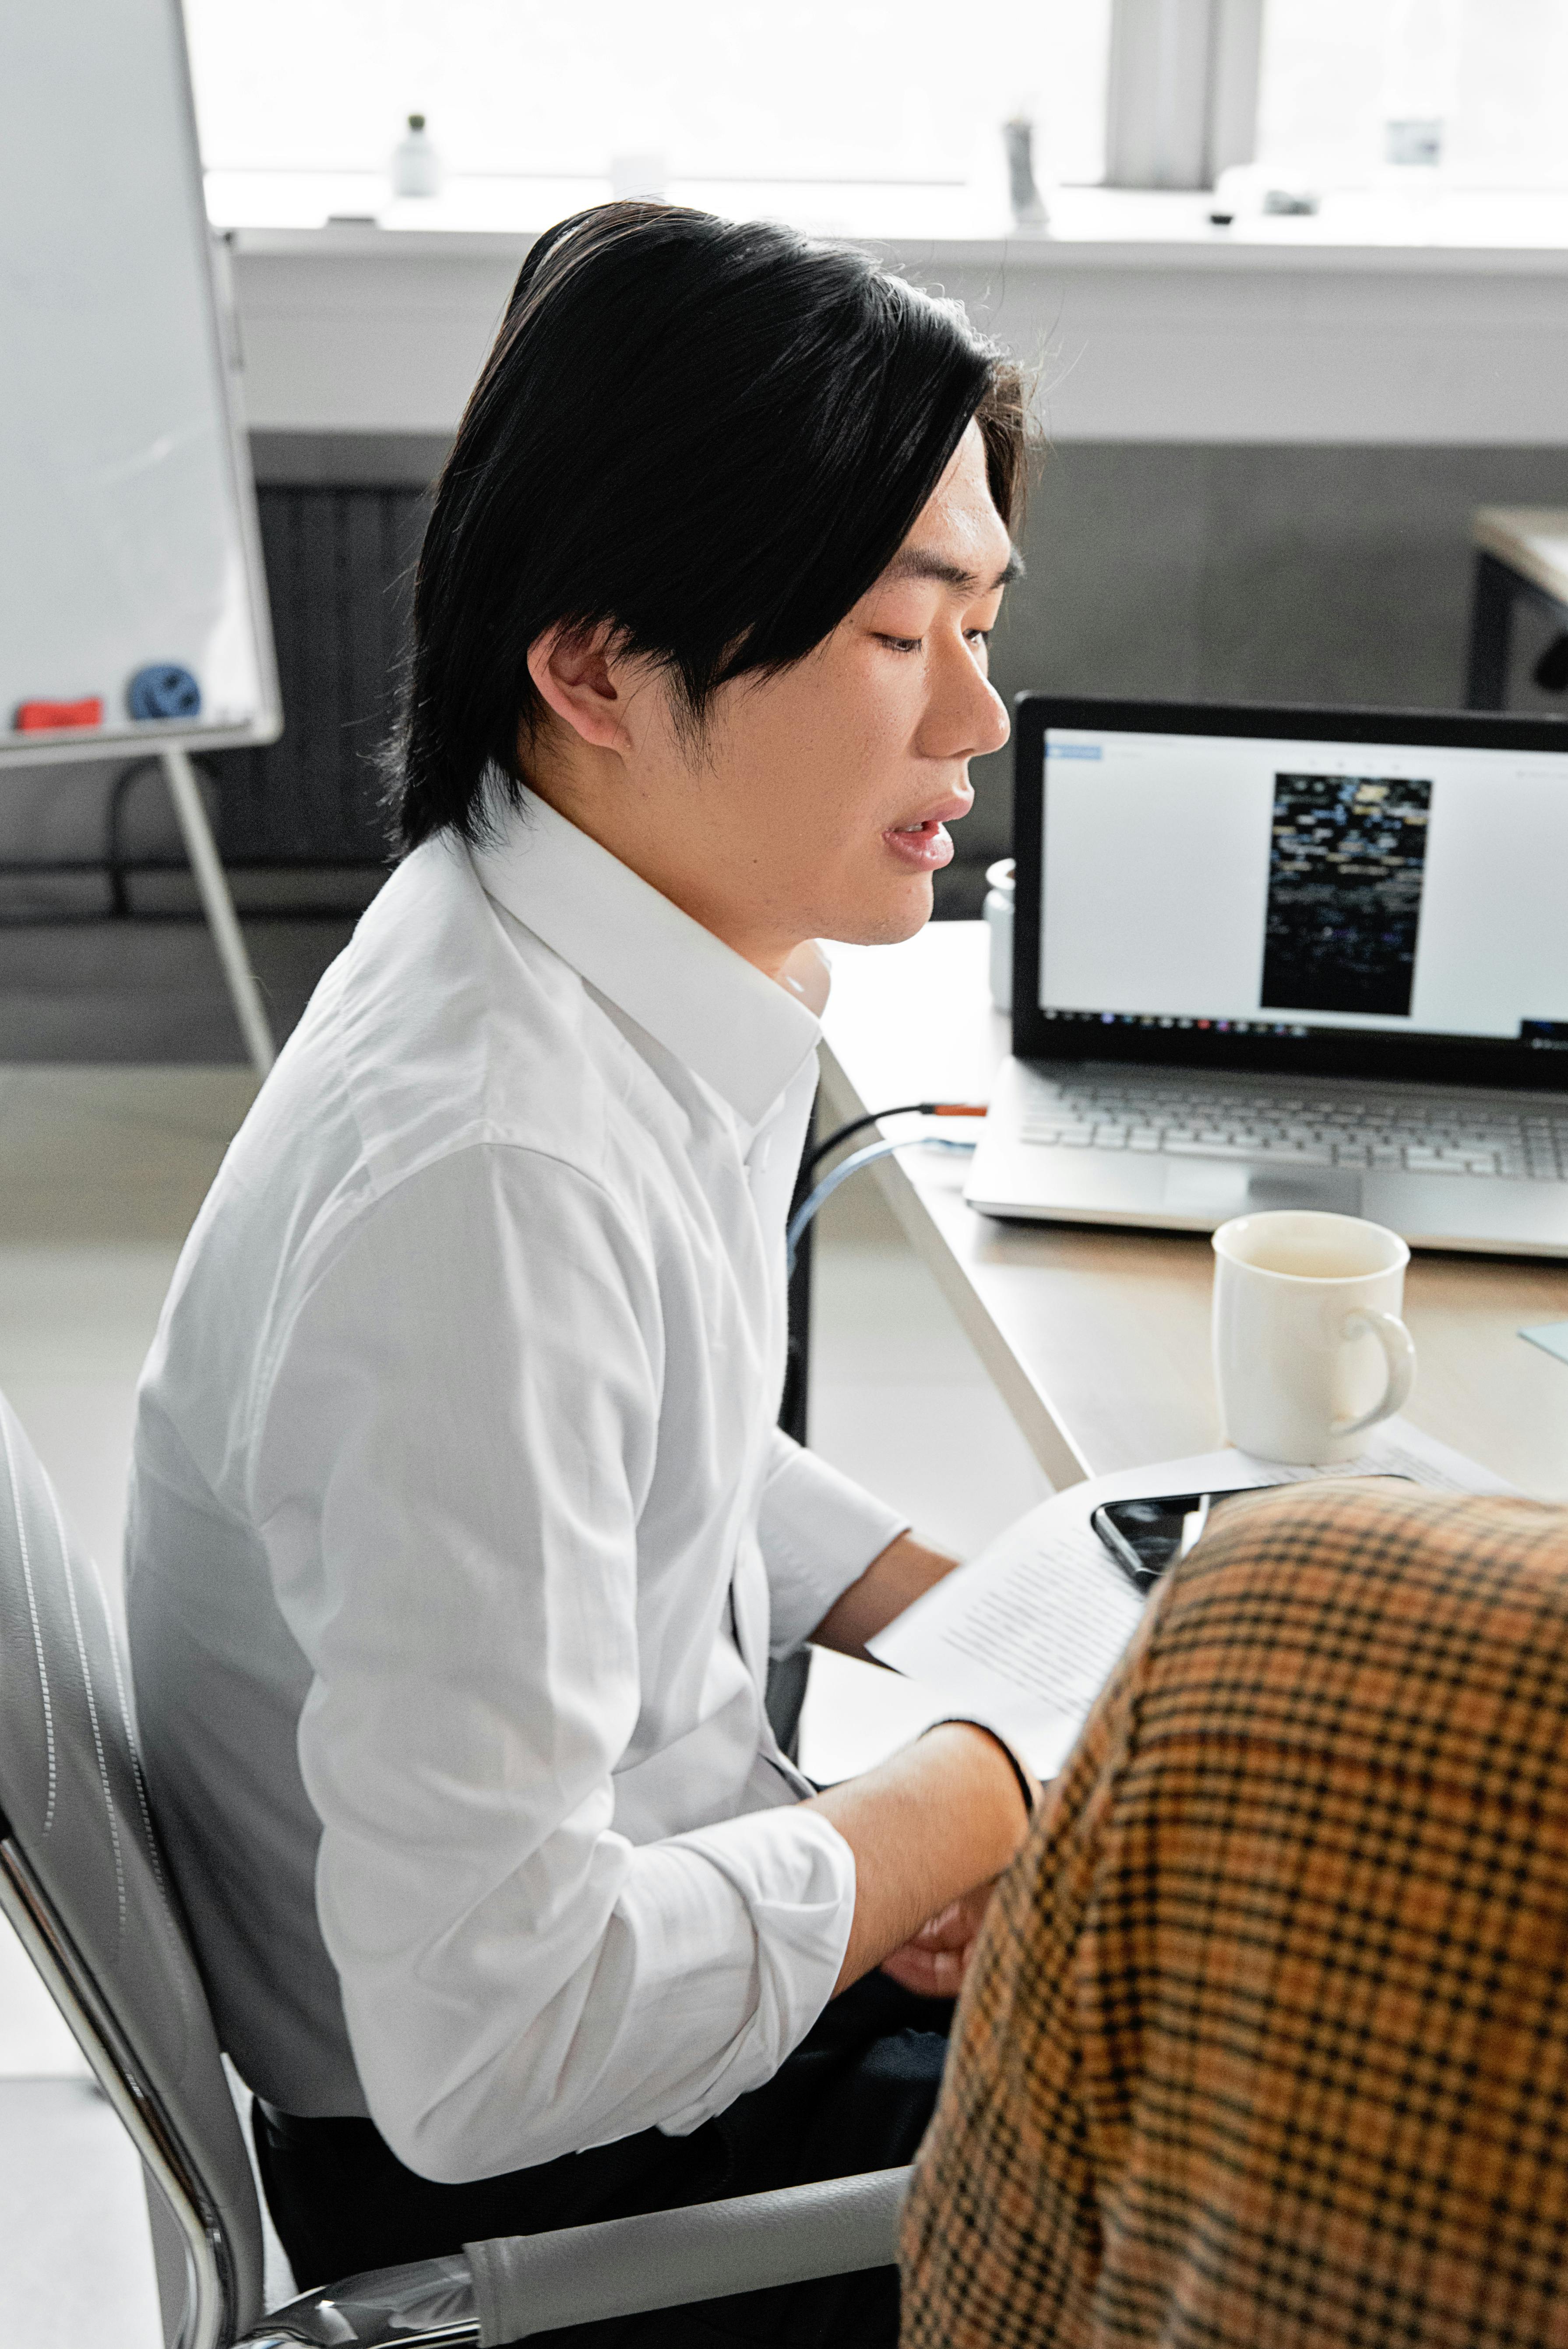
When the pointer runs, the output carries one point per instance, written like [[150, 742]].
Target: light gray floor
[[134, 992], [75, 2266], [101, 1171]]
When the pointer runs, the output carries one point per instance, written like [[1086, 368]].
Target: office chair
[[82, 1882]]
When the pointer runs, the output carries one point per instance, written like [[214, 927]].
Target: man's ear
[[574, 674]]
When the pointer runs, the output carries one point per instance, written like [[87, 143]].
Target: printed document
[[1028, 1633]]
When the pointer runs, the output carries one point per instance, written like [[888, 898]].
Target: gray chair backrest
[[81, 1877]]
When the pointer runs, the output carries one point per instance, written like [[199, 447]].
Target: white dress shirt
[[461, 1531]]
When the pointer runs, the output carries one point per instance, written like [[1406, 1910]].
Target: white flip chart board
[[128, 531]]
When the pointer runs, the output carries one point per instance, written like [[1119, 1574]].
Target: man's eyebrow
[[917, 563]]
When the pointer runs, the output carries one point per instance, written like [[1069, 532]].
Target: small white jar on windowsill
[[416, 163]]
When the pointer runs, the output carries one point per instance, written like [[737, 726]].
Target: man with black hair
[[461, 1530]]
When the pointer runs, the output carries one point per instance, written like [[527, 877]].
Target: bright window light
[[839, 91], [1465, 93]]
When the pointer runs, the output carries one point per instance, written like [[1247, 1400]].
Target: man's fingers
[[929, 1973], [933, 1961], [937, 1932]]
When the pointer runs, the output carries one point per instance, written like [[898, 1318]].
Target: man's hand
[[933, 1961], [930, 1830]]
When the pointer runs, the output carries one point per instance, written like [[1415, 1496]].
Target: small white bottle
[[998, 912], [416, 163]]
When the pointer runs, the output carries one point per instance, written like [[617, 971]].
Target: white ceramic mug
[[1309, 1348]]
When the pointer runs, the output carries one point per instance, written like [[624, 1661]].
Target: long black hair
[[712, 435]]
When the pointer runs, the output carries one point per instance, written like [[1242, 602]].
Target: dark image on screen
[[1345, 863]]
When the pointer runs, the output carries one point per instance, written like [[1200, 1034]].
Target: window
[[1355, 92], [837, 96], [745, 91]]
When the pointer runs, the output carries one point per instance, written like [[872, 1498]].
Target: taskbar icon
[[1165, 1020]]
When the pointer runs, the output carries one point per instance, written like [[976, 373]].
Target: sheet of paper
[[855, 1715], [1026, 1635]]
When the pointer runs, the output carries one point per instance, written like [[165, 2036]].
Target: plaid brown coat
[[1265, 2043]]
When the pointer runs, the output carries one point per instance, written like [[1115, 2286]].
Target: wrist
[[893, 1580], [1011, 1786]]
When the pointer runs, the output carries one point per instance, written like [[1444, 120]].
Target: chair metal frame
[[429, 2304], [210, 2300], [74, 1882]]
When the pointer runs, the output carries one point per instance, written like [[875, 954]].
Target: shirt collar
[[735, 1028]]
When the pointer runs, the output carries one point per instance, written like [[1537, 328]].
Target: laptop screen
[[1204, 891]]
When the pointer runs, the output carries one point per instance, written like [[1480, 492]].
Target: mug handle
[[1399, 1351]]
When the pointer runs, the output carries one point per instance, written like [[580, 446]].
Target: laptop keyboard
[[1398, 1133]]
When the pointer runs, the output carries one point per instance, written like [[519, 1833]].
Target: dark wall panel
[[340, 562]]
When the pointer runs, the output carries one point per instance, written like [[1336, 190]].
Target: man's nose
[[966, 717]]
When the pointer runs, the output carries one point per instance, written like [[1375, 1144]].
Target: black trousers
[[856, 2095]]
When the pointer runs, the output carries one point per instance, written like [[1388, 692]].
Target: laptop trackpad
[[1208, 1188]]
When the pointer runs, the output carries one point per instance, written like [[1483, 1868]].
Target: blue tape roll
[[163, 690]]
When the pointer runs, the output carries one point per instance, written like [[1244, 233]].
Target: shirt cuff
[[819, 1531], [795, 1875]]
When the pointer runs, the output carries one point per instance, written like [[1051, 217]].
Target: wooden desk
[[1521, 557], [1098, 1340]]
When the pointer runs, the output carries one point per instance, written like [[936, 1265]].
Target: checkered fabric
[[1265, 2043]]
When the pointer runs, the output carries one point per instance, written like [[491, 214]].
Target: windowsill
[[284, 212], [1376, 321]]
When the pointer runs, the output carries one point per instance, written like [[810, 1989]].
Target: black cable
[[875, 1116], [118, 871], [114, 855], [843, 1132]]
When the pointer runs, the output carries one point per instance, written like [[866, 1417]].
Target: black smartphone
[[1146, 1537]]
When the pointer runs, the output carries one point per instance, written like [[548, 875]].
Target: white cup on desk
[[1309, 1348]]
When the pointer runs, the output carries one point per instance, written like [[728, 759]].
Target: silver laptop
[[1287, 958]]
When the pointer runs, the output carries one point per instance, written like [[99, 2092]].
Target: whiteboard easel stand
[[131, 533], [195, 830], [212, 887]]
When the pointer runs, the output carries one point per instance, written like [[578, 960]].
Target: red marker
[[48, 717]]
